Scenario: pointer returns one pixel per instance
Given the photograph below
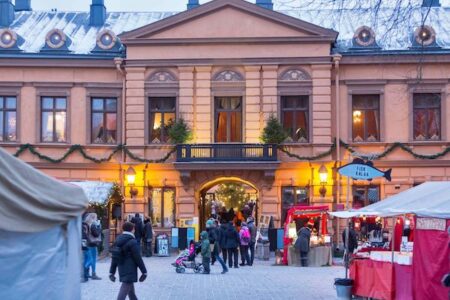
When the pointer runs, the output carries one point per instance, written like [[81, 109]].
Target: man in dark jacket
[[214, 237], [352, 238], [148, 237], [231, 243], [304, 236], [138, 229], [251, 246], [129, 259], [222, 240]]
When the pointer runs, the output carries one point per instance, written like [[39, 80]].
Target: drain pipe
[[336, 59], [119, 63]]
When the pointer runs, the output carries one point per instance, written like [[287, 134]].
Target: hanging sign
[[360, 169]]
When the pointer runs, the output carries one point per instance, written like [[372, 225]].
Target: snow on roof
[[96, 191], [33, 26]]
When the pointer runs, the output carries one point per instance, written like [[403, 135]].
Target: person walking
[[206, 252], [126, 256], [138, 229], [222, 239], [302, 243], [214, 238], [244, 239], [148, 237], [253, 231], [84, 249], [94, 239], [231, 244]]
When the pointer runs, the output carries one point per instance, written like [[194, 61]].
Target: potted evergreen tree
[[179, 132], [274, 132]]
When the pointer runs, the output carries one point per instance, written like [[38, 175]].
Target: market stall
[[320, 252], [418, 254]]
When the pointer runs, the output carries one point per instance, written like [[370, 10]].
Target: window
[[8, 119], [427, 117], [53, 119], [161, 117], [228, 119], [162, 207], [365, 195], [366, 118], [290, 196], [294, 116], [104, 120]]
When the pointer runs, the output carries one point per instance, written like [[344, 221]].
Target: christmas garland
[[80, 149]]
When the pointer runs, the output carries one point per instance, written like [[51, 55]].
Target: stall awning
[[97, 192], [430, 199]]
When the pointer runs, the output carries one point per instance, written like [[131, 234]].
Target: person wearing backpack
[[94, 239], [244, 239], [126, 256]]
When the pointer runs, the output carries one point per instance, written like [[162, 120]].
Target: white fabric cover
[[429, 199], [31, 201], [41, 266]]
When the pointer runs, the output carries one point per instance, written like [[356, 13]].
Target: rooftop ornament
[[106, 40], [364, 37], [8, 38], [425, 36], [55, 39]]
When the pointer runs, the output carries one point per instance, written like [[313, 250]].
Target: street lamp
[[323, 176], [131, 178]]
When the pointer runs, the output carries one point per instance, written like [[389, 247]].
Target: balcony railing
[[226, 152]]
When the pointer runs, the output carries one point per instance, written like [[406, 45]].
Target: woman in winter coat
[[244, 240], [231, 243]]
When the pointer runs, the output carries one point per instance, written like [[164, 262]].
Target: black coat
[[214, 238], [221, 235], [148, 231], [131, 261], [231, 237], [304, 236], [352, 239], [138, 227]]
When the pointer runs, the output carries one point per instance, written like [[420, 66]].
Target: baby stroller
[[186, 259]]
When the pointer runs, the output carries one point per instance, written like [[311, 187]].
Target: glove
[[112, 277], [143, 277]]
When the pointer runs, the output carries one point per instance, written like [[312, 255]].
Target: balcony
[[226, 153]]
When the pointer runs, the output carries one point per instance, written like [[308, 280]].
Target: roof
[[97, 192], [32, 28], [429, 199]]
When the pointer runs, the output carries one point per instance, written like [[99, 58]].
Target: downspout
[[119, 62], [336, 60]]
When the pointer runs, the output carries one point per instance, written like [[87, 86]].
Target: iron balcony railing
[[226, 152]]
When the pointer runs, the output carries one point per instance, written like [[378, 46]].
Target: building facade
[[86, 96]]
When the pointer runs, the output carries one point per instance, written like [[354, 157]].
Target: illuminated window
[[162, 207], [427, 117], [294, 116], [161, 117], [290, 196], [366, 118], [104, 120], [365, 195], [53, 119], [228, 119], [8, 119]]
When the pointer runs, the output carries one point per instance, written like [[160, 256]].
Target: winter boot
[[95, 277]]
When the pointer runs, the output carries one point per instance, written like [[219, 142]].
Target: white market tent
[[40, 233], [429, 199]]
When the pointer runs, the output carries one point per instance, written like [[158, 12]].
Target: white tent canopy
[[430, 199]]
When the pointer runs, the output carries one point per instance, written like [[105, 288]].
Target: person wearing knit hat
[[303, 240]]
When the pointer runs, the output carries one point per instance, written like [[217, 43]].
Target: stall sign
[[363, 170], [431, 224], [163, 246]]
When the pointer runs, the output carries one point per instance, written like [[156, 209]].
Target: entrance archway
[[225, 193]]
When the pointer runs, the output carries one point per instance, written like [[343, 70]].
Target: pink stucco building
[[101, 80]]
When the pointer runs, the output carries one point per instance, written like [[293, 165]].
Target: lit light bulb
[[7, 37]]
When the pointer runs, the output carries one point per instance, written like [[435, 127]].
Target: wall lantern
[[323, 176], [131, 178]]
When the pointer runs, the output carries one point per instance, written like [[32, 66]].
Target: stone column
[[185, 99], [269, 84], [253, 113], [203, 110], [135, 107]]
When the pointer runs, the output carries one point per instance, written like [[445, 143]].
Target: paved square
[[262, 281]]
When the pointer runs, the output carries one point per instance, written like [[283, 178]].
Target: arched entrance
[[224, 195]]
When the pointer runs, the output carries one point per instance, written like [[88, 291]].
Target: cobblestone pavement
[[261, 281]]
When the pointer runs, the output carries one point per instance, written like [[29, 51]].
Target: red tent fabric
[[431, 261]]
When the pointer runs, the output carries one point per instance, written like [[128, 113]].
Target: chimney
[[23, 5], [265, 3], [192, 4], [431, 3], [6, 13], [98, 13]]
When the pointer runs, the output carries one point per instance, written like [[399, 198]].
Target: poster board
[[163, 246]]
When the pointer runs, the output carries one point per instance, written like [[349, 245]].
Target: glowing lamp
[[323, 176], [131, 175]]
